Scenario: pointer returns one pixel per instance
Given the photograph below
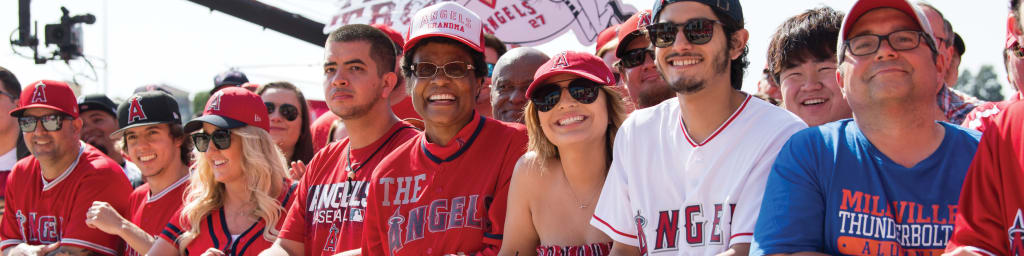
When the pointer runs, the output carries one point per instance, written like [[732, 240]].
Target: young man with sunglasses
[[888, 180], [46, 209], [445, 190], [358, 79], [152, 135], [636, 63], [687, 174]]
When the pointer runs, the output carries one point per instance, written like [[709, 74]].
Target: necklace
[[348, 158], [579, 202]]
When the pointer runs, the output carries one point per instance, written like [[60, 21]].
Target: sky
[[182, 44]]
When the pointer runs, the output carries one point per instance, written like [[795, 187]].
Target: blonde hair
[[263, 167], [545, 150]]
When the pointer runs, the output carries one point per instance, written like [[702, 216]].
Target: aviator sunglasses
[[221, 139], [51, 123], [289, 111], [581, 89], [697, 31]]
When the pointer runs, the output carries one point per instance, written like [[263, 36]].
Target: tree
[[985, 85]]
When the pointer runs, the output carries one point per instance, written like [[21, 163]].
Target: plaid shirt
[[956, 104]]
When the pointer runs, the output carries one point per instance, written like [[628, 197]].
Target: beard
[[691, 85], [654, 94], [358, 110]]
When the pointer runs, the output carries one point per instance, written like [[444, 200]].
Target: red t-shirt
[[990, 219], [321, 127], [151, 213], [980, 116], [327, 215], [213, 231], [45, 212], [404, 109], [428, 199]]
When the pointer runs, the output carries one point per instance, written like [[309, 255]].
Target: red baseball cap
[[582, 64], [1011, 39], [631, 29], [394, 35], [449, 20], [606, 36], [232, 107], [861, 7], [49, 94]]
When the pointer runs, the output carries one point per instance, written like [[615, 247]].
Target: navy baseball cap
[[729, 7], [97, 102], [231, 77], [146, 108]]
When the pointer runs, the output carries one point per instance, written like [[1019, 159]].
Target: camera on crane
[[67, 35]]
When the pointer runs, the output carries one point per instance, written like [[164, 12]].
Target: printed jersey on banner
[[329, 208], [832, 191], [213, 230], [669, 195], [428, 199], [152, 212], [40, 212]]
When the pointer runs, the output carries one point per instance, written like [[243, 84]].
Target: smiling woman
[[289, 120]]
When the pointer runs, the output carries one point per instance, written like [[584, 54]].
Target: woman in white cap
[[239, 184], [571, 118]]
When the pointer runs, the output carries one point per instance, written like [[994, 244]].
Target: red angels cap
[[49, 94], [582, 64], [394, 35], [861, 7], [606, 36], [232, 107], [631, 29], [446, 19]]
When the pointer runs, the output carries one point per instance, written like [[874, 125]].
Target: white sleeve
[[613, 214], [748, 205]]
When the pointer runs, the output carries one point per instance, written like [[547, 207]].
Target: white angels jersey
[[668, 195]]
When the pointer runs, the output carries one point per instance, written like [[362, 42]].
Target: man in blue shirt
[[887, 181]]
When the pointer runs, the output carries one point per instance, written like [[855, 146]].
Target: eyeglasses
[[490, 69], [697, 31], [581, 89], [51, 123], [635, 57], [902, 40], [289, 111], [221, 139], [1017, 51], [454, 69]]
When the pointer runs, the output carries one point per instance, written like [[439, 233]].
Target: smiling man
[[702, 156], [847, 187]]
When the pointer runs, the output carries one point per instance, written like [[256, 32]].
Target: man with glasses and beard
[[687, 175], [849, 187], [636, 63], [46, 210]]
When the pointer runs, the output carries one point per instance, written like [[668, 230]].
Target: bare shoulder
[[529, 172]]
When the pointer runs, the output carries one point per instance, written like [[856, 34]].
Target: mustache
[[334, 90]]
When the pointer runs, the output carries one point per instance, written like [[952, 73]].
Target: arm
[[520, 235], [737, 250], [793, 184], [69, 251], [162, 248], [102, 216], [621, 249], [284, 247]]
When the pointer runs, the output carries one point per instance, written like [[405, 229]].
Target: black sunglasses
[[581, 89], [454, 69], [221, 139], [51, 123], [697, 31], [635, 57], [289, 111]]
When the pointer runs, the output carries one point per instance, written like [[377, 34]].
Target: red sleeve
[[115, 191], [174, 229], [979, 223], [497, 210], [9, 231]]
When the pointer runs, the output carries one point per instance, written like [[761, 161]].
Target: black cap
[[146, 108], [97, 102], [231, 77], [729, 7]]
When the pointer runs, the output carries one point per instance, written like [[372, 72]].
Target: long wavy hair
[[264, 173], [546, 151]]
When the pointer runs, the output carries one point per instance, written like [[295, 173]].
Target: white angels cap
[[449, 20]]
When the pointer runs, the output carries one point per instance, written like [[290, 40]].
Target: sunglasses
[[581, 89], [454, 69], [221, 139], [1017, 51], [635, 57], [490, 69], [51, 123], [697, 31], [289, 111]]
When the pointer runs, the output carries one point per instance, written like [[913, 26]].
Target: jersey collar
[[47, 185], [458, 145]]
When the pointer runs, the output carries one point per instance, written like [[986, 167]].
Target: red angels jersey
[[980, 116], [320, 130], [44, 212], [152, 212], [669, 195], [329, 208], [990, 217], [213, 231], [428, 199]]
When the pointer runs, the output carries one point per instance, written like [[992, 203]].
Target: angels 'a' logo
[[641, 222], [135, 112], [215, 102], [645, 19], [39, 94], [395, 231], [1016, 235], [561, 61]]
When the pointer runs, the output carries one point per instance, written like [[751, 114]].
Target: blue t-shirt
[[830, 190]]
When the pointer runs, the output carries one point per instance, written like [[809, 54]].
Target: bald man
[[512, 74]]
